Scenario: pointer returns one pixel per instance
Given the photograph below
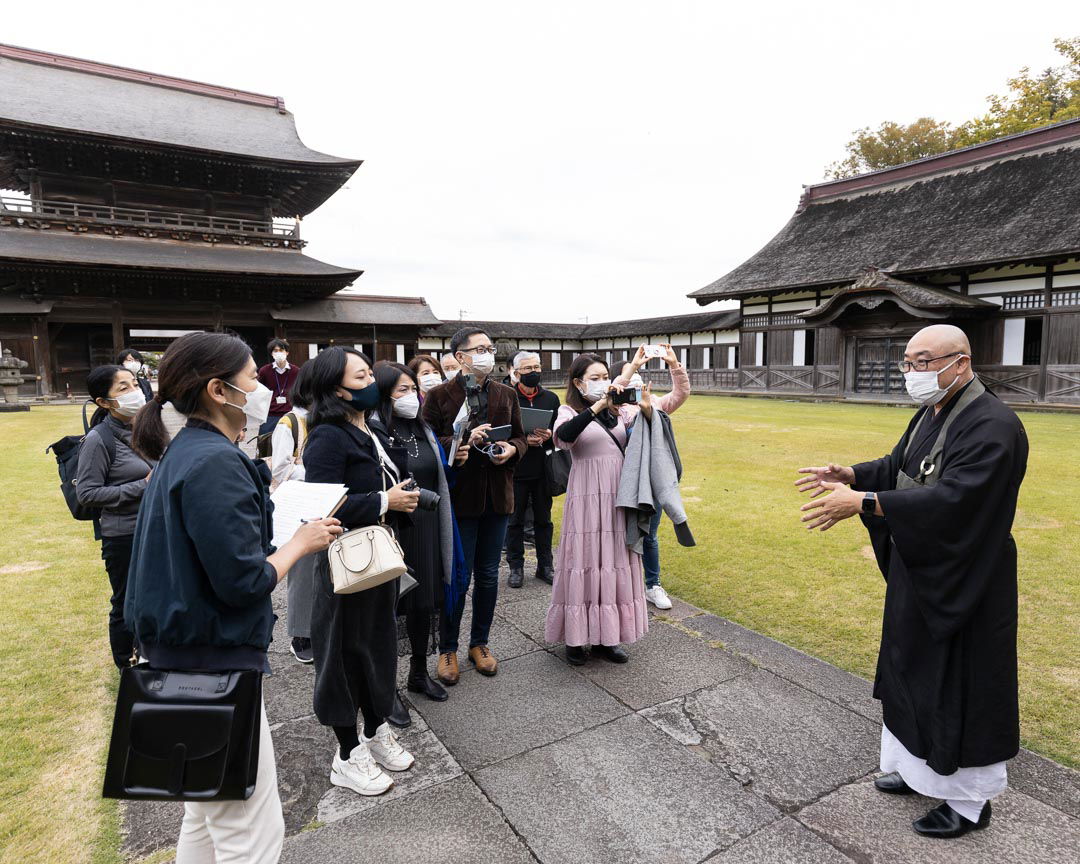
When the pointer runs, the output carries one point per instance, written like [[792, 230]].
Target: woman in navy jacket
[[203, 566], [354, 636]]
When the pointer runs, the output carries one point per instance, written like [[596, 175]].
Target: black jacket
[[531, 466], [198, 592]]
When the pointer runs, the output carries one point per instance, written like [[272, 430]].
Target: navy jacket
[[198, 592]]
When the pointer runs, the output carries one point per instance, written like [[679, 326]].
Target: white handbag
[[366, 557]]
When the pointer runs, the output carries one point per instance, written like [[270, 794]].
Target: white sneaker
[[386, 751], [658, 597], [359, 772]]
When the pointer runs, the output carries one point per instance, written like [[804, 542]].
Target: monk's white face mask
[[923, 386]]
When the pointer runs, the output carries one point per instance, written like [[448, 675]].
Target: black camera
[[629, 396], [428, 500], [472, 393]]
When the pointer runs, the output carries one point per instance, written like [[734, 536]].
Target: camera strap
[[611, 435]]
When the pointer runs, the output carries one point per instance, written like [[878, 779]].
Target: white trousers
[[966, 790], [237, 832]]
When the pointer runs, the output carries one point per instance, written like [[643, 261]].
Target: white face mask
[[429, 381], [280, 357], [407, 406], [595, 390], [636, 382], [128, 404], [923, 386], [257, 407], [133, 366], [482, 363]]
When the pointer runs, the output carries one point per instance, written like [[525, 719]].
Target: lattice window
[[755, 320], [1023, 301], [786, 318], [1066, 298]]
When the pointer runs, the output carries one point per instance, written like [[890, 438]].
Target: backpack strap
[[294, 425], [108, 439]]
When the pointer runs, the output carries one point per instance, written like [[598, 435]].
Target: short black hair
[[276, 343], [324, 377], [464, 335], [128, 352]]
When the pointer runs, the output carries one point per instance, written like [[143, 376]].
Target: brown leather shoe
[[484, 661], [447, 669]]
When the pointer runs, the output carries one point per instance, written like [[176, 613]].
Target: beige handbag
[[366, 557]]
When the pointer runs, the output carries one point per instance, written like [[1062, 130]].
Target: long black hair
[[301, 388], [387, 375], [327, 370], [186, 367], [98, 384], [578, 369]]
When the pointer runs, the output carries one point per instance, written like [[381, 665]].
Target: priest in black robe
[[939, 510]]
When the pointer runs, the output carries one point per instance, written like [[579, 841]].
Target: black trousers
[[116, 552], [532, 492]]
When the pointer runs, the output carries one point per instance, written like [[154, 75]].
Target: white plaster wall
[[428, 344], [552, 345], [1069, 280], [705, 338], [727, 337], [1035, 283], [1012, 352], [731, 357], [759, 349], [798, 351], [793, 306], [529, 344], [679, 339]]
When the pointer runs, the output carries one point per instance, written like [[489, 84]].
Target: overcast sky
[[561, 160]]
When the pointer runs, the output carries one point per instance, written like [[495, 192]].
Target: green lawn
[[753, 563]]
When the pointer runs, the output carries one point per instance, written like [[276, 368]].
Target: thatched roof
[[515, 330], [1007, 201], [360, 309]]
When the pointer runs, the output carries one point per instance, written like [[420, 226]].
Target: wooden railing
[[148, 218]]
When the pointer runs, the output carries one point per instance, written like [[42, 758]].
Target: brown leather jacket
[[479, 483]]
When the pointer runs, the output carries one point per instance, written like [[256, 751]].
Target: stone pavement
[[713, 743]]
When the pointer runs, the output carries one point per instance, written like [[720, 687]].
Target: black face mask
[[530, 379]]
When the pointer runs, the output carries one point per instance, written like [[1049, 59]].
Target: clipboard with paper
[[296, 502]]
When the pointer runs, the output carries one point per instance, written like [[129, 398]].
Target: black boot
[[944, 823], [421, 682], [893, 784], [544, 574], [576, 655], [517, 577], [399, 717], [614, 653]]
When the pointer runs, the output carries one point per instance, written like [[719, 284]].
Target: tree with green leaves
[[1052, 96]]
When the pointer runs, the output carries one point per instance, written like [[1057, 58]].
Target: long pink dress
[[598, 596]]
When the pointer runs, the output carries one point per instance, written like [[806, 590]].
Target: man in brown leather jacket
[[483, 492]]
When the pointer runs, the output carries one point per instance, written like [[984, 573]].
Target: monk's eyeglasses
[[924, 364]]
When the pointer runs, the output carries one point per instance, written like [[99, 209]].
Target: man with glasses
[[939, 510], [530, 477], [472, 405]]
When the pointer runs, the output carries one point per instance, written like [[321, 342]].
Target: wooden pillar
[[39, 328], [117, 328], [1044, 349]]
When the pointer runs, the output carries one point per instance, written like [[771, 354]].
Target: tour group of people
[[186, 521], [186, 525]]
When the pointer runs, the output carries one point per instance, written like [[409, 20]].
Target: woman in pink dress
[[598, 596]]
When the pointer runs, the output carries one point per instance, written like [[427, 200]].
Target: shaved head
[[937, 340]]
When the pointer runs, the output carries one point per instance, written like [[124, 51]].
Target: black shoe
[[544, 574], [944, 823], [576, 655], [517, 577], [893, 784], [421, 682], [301, 650], [614, 653], [399, 717]]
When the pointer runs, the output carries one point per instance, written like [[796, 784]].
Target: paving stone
[[826, 680], [530, 589], [451, 823], [528, 614], [534, 700], [1047, 781], [621, 792], [288, 692], [433, 765], [149, 826], [680, 610], [788, 744], [506, 640], [303, 750], [874, 829], [783, 842], [666, 663]]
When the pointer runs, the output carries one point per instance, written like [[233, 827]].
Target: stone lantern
[[504, 353], [11, 376]]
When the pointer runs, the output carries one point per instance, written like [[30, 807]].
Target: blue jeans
[[650, 554], [482, 542]]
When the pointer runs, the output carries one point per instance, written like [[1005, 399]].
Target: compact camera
[[428, 500]]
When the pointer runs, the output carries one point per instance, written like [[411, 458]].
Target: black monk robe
[[946, 674]]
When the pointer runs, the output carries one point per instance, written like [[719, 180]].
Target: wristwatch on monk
[[869, 504]]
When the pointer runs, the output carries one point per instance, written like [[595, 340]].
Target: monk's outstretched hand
[[815, 477], [841, 503]]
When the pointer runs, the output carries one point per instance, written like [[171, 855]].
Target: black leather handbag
[[184, 736], [557, 465]]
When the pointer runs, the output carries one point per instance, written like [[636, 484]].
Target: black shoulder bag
[[184, 736]]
